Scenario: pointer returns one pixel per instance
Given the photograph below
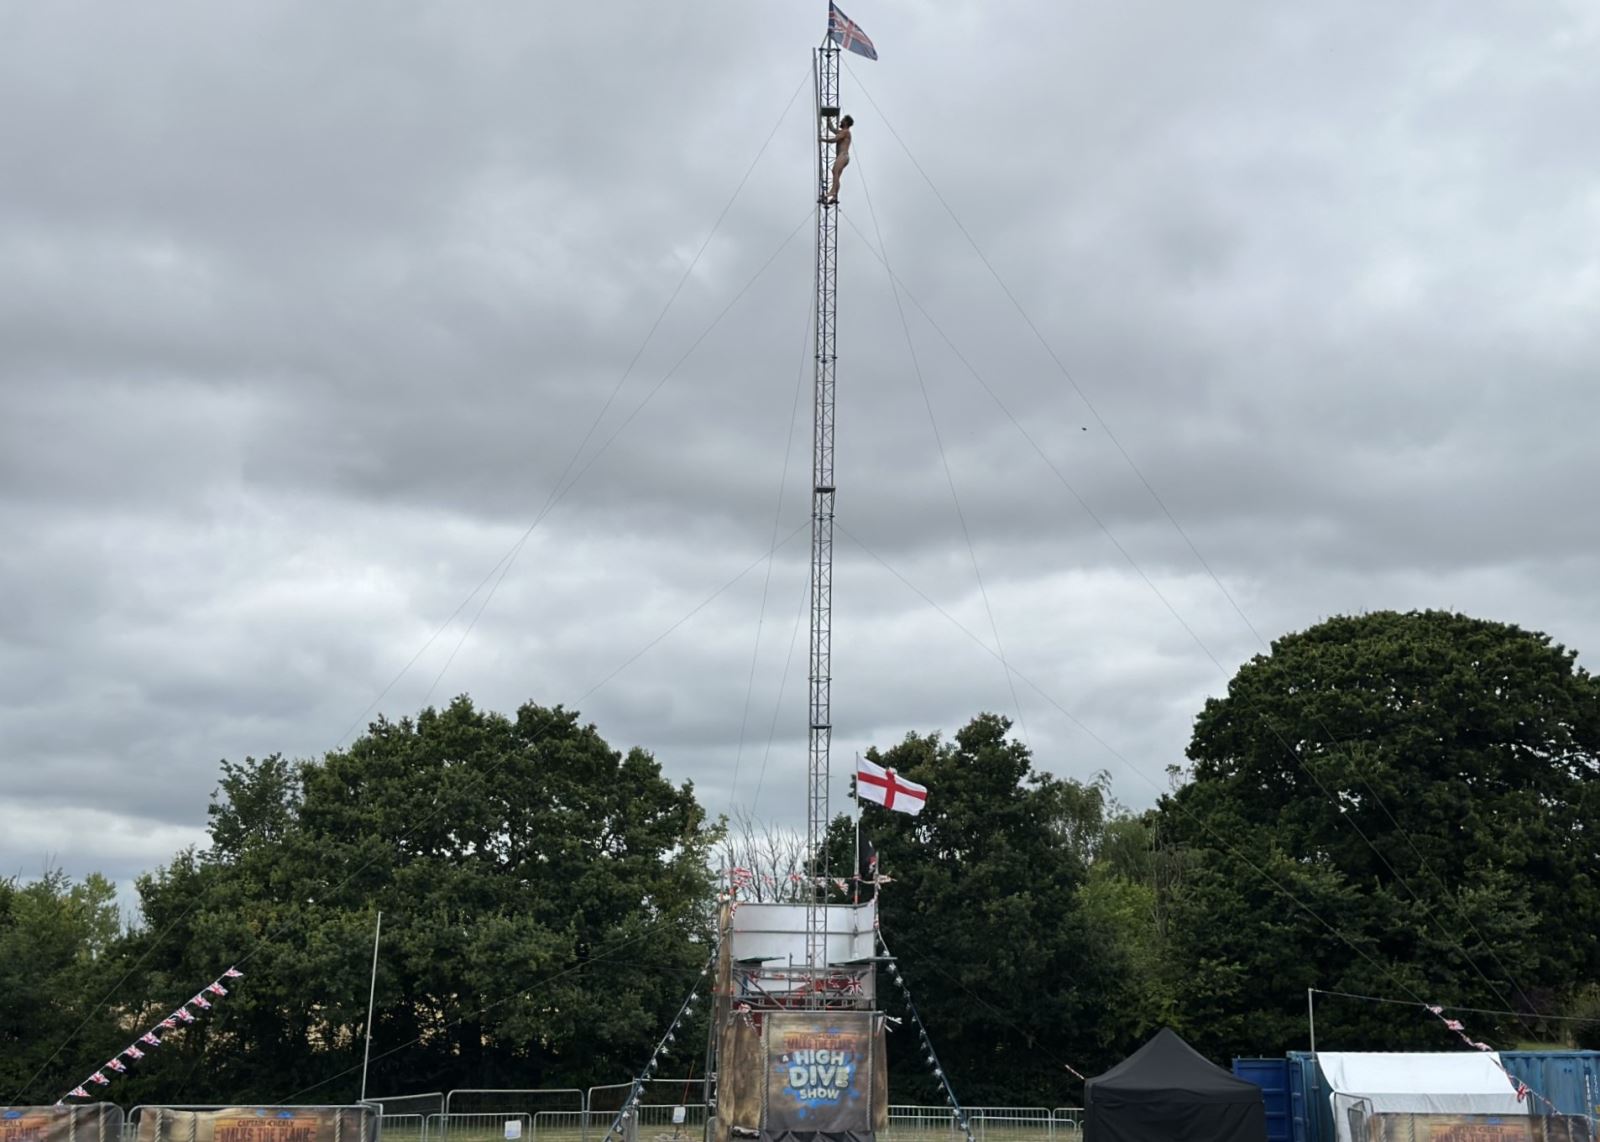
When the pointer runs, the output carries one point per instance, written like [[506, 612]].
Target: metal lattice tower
[[826, 71]]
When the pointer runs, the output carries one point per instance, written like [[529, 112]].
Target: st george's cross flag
[[848, 34], [887, 788]]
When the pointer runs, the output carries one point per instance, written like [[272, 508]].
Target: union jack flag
[[232, 973], [117, 1065], [133, 1052], [150, 1037], [848, 34], [182, 1013], [78, 1092], [99, 1078], [216, 989], [201, 1001]]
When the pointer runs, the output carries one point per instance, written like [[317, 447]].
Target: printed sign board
[[27, 1125], [819, 1072], [257, 1124], [273, 1126], [84, 1123], [1473, 1128]]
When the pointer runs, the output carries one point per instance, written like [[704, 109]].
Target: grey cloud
[[303, 314]]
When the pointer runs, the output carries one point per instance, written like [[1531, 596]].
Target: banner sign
[[272, 1126], [819, 1072], [102, 1122], [258, 1124], [1477, 1128], [34, 1125]]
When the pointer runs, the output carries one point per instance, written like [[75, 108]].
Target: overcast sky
[[305, 310]]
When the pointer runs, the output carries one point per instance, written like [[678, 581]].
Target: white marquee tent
[[1453, 1082]]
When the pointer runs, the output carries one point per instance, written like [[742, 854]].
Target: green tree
[[1427, 786], [55, 936], [544, 904], [985, 915], [1123, 906]]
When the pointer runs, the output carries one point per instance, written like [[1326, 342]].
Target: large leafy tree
[[543, 899], [1401, 805], [985, 916], [55, 937]]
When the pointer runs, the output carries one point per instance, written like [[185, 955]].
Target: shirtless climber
[[841, 157]]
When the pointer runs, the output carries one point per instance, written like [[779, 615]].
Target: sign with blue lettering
[[819, 1072]]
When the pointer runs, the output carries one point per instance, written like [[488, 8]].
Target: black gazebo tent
[[1167, 1092]]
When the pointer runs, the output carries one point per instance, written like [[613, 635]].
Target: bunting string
[[636, 1090], [1524, 1091], [152, 1037], [925, 1044], [745, 878]]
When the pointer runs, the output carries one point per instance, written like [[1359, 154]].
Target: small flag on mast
[[848, 34], [867, 870]]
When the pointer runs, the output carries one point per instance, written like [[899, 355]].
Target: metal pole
[[822, 496], [1311, 1016], [372, 992], [855, 868]]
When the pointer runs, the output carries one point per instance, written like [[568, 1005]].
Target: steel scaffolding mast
[[826, 73]]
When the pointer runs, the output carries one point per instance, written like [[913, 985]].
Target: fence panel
[[656, 1122], [403, 1127], [1011, 1123], [478, 1127], [168, 1122], [1069, 1123], [567, 1115], [528, 1102], [561, 1126], [657, 1091], [920, 1124], [659, 1096], [422, 1105], [89, 1122]]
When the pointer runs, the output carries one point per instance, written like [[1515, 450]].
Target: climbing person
[[841, 156]]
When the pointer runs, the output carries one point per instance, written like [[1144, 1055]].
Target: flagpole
[[372, 992], [855, 795]]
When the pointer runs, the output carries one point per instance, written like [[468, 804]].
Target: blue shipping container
[[1299, 1110], [1569, 1079], [1272, 1076], [1310, 1108]]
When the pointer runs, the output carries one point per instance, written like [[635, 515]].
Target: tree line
[[1404, 807]]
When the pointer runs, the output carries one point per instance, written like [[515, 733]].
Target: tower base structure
[[797, 1053]]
